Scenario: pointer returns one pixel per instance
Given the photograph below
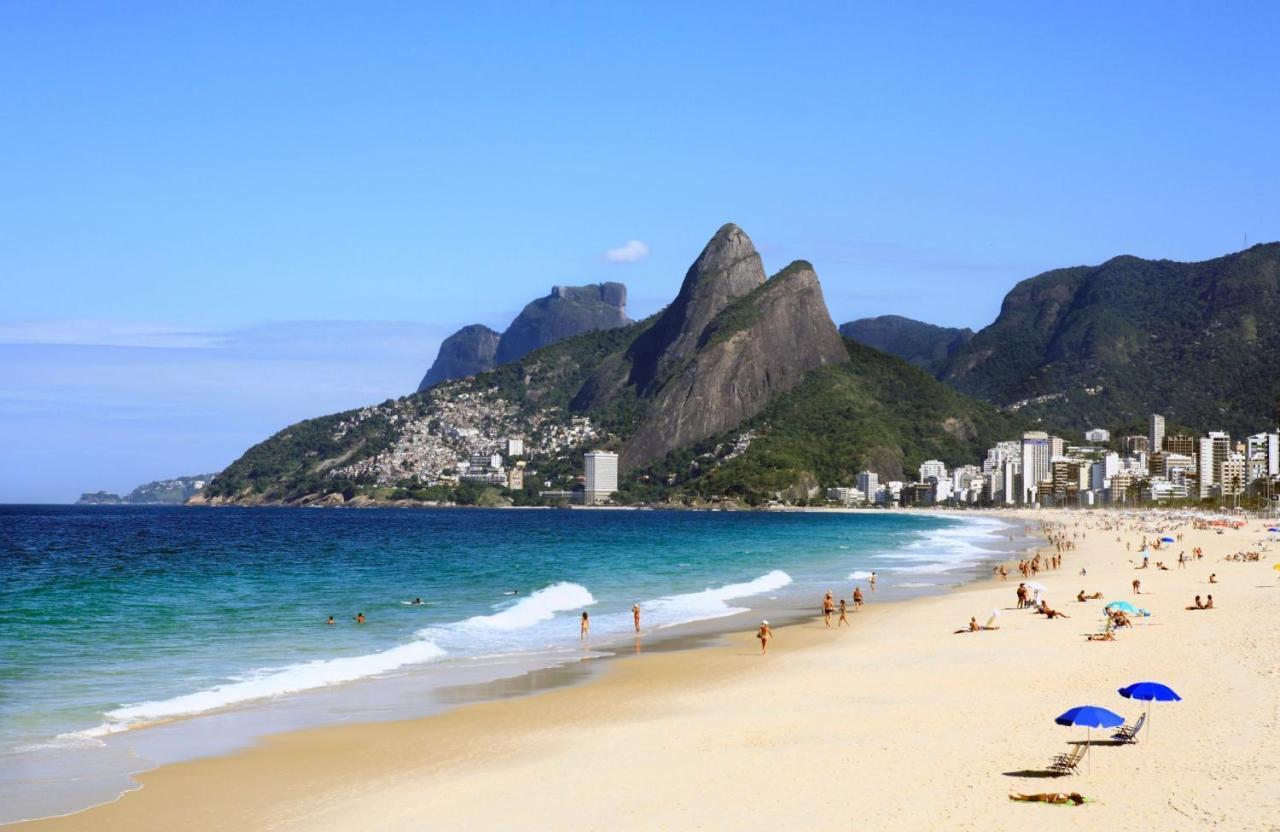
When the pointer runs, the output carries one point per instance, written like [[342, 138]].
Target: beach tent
[[1090, 717], [1149, 692]]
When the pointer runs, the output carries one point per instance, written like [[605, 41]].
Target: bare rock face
[[466, 352], [567, 311], [727, 269], [750, 350]]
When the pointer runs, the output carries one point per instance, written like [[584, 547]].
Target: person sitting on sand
[[1061, 798], [1208, 604], [764, 634], [1213, 578], [844, 614], [1198, 605]]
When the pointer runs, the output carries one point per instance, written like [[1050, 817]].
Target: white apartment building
[[869, 484], [1155, 432], [932, 468], [601, 469], [1097, 435], [1263, 453], [515, 447], [846, 496], [1035, 464]]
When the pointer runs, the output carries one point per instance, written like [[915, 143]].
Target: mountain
[[740, 376], [1109, 344], [159, 492], [927, 346], [567, 311], [466, 352]]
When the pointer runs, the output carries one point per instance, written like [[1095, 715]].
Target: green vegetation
[[927, 346], [877, 413], [1195, 341]]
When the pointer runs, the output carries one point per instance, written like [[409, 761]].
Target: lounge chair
[[1068, 763], [1129, 733]]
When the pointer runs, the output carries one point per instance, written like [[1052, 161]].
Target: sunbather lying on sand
[[1052, 797], [1081, 597], [974, 627], [1107, 636]]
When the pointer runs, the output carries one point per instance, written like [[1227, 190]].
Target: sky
[[217, 219]]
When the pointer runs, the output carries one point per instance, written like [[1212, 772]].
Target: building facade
[[601, 470]]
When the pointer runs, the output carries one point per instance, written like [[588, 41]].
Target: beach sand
[[894, 724]]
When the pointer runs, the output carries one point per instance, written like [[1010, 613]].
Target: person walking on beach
[[828, 607], [764, 634], [635, 615], [844, 617], [857, 598], [586, 626], [1137, 587]]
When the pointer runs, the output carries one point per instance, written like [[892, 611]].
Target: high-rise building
[[1155, 432], [1035, 463], [932, 468], [1097, 435], [1180, 443], [1205, 466], [515, 447], [1135, 444], [1263, 454], [1232, 475], [601, 469], [869, 484]]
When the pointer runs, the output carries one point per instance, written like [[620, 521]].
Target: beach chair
[[1068, 763], [1129, 733]]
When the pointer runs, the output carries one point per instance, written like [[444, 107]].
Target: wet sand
[[894, 723]]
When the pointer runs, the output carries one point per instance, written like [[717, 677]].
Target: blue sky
[[220, 218]]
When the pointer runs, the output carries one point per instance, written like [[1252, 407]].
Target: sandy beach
[[894, 723]]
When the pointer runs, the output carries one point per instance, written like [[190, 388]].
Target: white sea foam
[[859, 575], [264, 684], [538, 607], [710, 603]]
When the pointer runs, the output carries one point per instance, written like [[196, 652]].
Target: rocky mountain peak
[[466, 352]]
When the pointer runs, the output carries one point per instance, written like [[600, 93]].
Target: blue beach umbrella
[[1149, 692], [1125, 606], [1090, 717], [1167, 540], [1273, 529]]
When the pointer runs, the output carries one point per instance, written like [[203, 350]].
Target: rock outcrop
[[567, 311], [466, 352], [735, 349], [927, 346]]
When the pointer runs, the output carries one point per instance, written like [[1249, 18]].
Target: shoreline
[[818, 694], [251, 722]]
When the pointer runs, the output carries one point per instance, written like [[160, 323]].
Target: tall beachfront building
[[869, 484], [1155, 433], [933, 468], [601, 469], [1036, 455]]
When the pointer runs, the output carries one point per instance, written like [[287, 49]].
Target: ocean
[[136, 636]]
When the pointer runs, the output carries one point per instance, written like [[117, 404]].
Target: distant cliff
[[159, 492], [567, 311], [927, 346], [1109, 344], [466, 352], [740, 389]]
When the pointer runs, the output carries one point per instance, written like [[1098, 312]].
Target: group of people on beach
[[829, 606]]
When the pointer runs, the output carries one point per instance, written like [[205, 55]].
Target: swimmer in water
[[360, 618], [417, 601], [330, 621]]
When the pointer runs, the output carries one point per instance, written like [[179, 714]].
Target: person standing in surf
[[635, 614], [586, 626], [828, 607], [872, 581]]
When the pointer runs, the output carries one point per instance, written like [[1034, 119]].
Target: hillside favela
[[668, 417]]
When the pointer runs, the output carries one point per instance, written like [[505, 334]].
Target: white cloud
[[632, 251]]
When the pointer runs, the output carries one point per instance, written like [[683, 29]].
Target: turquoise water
[[115, 618]]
